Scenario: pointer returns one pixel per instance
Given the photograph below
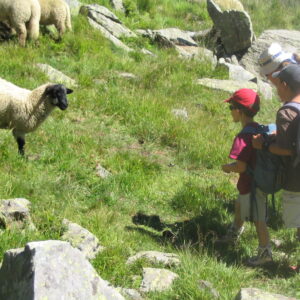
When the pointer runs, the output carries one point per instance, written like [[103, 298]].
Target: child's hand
[[257, 141], [226, 168]]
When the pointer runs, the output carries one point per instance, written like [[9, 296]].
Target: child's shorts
[[291, 209], [259, 211]]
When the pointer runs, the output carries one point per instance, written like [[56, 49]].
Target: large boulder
[[288, 39], [107, 23], [234, 25], [51, 270]]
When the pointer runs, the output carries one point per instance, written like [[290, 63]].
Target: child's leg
[[238, 222], [262, 234]]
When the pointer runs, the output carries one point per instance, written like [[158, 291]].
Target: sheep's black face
[[58, 94]]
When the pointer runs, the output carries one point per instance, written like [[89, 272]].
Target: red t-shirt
[[242, 150]]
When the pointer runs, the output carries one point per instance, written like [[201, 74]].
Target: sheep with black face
[[23, 110]]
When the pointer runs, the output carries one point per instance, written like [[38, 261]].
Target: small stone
[[167, 259], [102, 172], [181, 113], [203, 284]]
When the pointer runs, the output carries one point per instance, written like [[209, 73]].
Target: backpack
[[269, 172]]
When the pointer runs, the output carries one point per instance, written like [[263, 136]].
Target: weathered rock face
[[51, 270], [226, 85], [257, 294], [14, 214], [108, 23], [288, 39], [235, 27], [56, 76], [81, 239]]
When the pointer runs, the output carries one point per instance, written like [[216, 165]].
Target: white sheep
[[56, 12], [23, 16], [23, 110]]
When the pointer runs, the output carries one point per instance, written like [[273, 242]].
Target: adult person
[[274, 59], [287, 84]]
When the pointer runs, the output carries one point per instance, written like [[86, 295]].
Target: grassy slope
[[160, 165]]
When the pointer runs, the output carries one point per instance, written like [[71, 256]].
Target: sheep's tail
[[34, 22], [68, 18]]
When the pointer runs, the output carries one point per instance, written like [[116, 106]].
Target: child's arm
[[237, 167]]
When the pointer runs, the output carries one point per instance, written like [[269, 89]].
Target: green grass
[[160, 164]]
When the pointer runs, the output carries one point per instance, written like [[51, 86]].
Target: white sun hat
[[272, 57]]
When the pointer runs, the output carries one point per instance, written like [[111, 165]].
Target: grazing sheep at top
[[23, 110], [23, 16], [56, 12]]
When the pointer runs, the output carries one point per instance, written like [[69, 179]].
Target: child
[[287, 84], [244, 105]]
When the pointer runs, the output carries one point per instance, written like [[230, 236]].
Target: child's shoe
[[264, 255], [232, 234]]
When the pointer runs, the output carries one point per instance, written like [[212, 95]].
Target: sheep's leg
[[20, 139], [22, 33]]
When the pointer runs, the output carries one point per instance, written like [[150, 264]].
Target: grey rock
[[147, 52], [198, 53], [105, 18], [56, 76], [234, 60], [265, 89], [126, 75], [102, 172], [288, 39], [237, 73], [169, 37], [226, 85], [117, 5], [276, 243], [235, 27], [86, 10], [109, 36], [167, 259], [181, 113], [203, 284], [74, 6], [131, 294], [51, 270], [200, 36], [257, 294], [81, 239], [15, 214], [157, 280]]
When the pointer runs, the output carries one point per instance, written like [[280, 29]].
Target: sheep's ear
[[69, 91]]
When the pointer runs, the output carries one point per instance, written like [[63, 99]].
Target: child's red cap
[[245, 97]]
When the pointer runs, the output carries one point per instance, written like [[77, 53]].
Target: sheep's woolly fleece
[[22, 109], [23, 16], [56, 12]]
